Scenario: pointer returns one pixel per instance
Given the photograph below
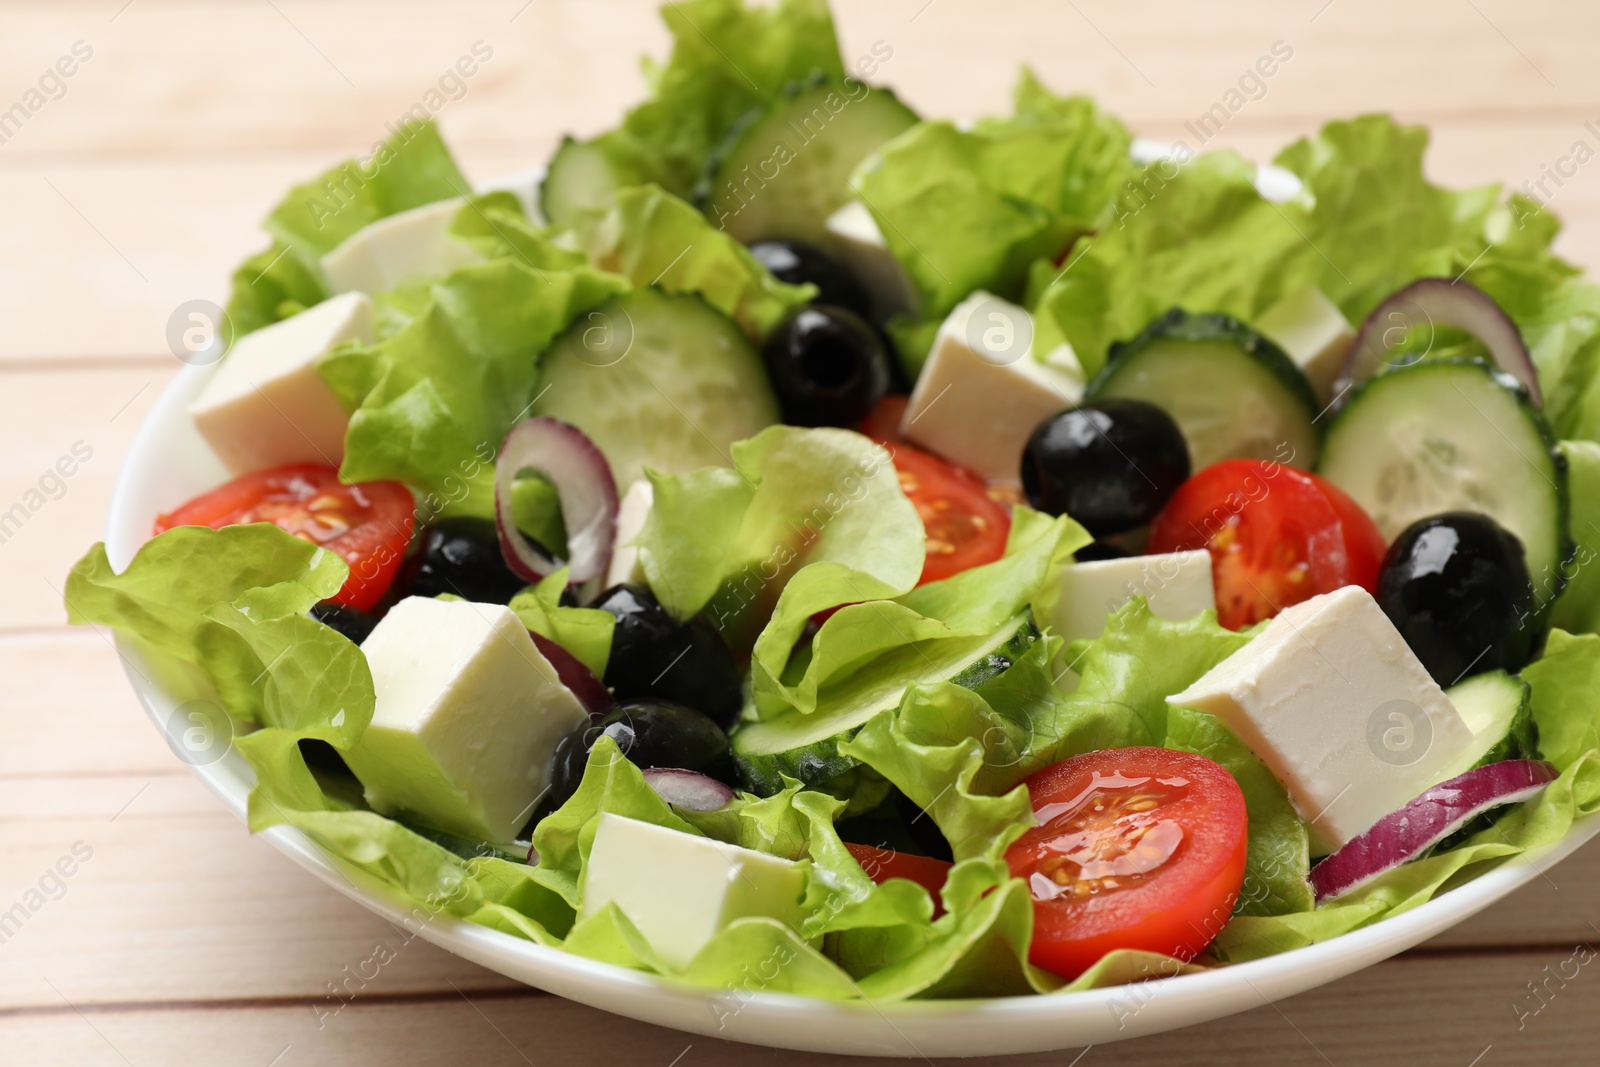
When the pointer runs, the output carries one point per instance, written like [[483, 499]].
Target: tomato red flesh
[[882, 864], [368, 524], [967, 520], [1136, 848], [883, 421], [1277, 536], [966, 527]]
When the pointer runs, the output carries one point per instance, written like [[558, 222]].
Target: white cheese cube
[[410, 246], [680, 890], [856, 239], [467, 719], [982, 392], [631, 516], [1313, 332], [266, 405], [1177, 585], [1334, 703]]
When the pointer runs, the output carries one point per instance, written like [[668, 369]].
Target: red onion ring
[[1407, 834], [689, 790], [585, 486], [590, 691], [1440, 302]]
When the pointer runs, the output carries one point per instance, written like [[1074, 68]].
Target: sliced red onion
[[590, 691], [1439, 302], [584, 484], [689, 790], [1407, 834]]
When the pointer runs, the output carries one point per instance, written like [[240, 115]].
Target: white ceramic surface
[[169, 463]]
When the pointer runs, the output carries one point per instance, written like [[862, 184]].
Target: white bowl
[[169, 463]]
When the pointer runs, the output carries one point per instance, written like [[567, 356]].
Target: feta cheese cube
[[631, 516], [680, 890], [266, 405], [467, 719], [982, 392], [410, 246], [1334, 703], [1176, 584], [856, 239], [1313, 332]]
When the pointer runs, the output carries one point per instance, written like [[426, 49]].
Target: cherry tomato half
[[1276, 535], [882, 864], [966, 526], [1138, 848], [368, 525], [883, 421], [966, 521]]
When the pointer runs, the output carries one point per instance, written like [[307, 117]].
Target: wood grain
[[180, 940], [1367, 1019]]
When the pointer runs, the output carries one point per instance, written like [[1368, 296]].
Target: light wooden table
[[181, 941]]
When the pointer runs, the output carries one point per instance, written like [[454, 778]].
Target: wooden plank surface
[[180, 940]]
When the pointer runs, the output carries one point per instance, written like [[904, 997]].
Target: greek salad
[[806, 546]]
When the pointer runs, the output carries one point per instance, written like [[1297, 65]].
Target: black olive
[[797, 264], [1098, 550], [650, 733], [653, 655], [924, 831], [319, 755], [828, 367], [353, 624], [462, 556], [1111, 465], [1457, 588]]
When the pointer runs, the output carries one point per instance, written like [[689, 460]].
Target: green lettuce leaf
[[1204, 239], [1194, 233], [584, 632], [876, 645], [409, 170], [961, 754], [270, 286], [1280, 845], [886, 942], [1377, 222], [947, 750], [432, 403], [794, 824], [815, 518], [175, 577], [497, 226], [1555, 307], [653, 238], [972, 209], [727, 59], [231, 603]]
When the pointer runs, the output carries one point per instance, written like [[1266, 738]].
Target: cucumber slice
[[657, 380], [1454, 435], [1498, 708], [807, 746], [785, 168], [1233, 393], [578, 182]]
